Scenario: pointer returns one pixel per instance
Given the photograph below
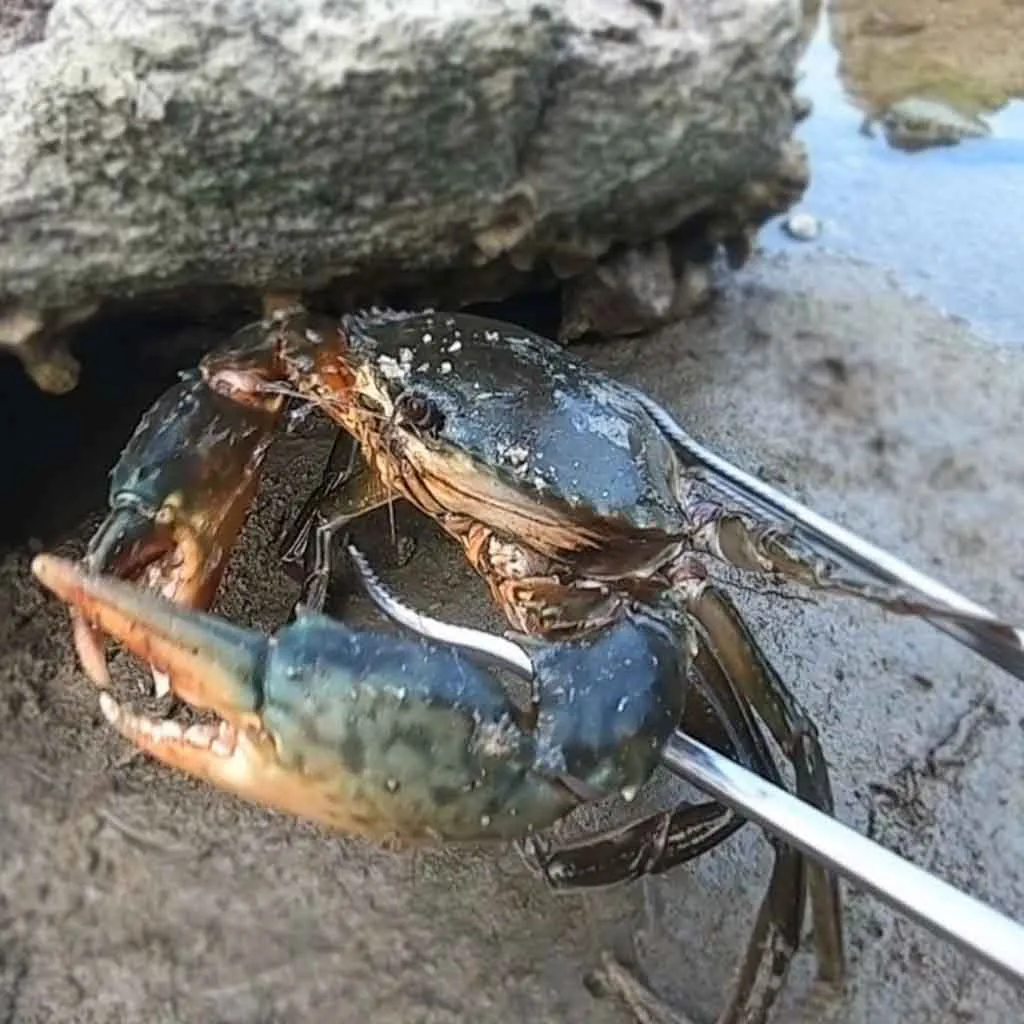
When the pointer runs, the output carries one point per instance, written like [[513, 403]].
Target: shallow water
[[948, 221]]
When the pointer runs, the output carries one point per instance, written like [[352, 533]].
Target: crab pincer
[[389, 736], [364, 733], [179, 494]]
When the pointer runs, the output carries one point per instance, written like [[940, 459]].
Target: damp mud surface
[[128, 893]]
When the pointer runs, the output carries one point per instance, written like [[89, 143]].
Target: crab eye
[[418, 411]]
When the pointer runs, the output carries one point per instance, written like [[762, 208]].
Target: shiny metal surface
[[974, 927], [969, 623]]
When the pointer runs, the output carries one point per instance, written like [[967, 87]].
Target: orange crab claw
[[215, 666], [365, 733], [212, 662]]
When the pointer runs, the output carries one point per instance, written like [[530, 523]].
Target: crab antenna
[[504, 652]]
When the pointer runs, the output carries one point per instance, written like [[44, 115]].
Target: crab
[[572, 499]]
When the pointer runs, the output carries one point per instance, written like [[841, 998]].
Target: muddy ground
[[128, 894]]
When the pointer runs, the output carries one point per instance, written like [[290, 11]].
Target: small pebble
[[804, 227]]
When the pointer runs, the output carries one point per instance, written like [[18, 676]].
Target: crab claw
[[215, 666], [179, 495], [211, 661], [365, 733], [133, 544]]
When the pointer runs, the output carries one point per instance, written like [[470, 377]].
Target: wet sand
[[130, 894]]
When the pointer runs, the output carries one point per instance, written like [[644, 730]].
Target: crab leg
[[666, 839], [733, 676], [342, 497], [342, 465], [720, 717], [761, 687], [775, 533], [650, 846]]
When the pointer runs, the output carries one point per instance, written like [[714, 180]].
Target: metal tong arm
[[974, 927], [969, 623]]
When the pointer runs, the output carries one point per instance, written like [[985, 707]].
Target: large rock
[[165, 151]]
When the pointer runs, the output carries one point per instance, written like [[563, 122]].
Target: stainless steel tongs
[[963, 920]]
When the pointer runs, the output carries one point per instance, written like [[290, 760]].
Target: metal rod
[[872, 558], [963, 920], [979, 629], [497, 649]]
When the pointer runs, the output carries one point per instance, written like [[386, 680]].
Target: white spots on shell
[[629, 793], [405, 356], [516, 456], [445, 367], [427, 337], [492, 336], [613, 427], [392, 785], [623, 704], [390, 368], [423, 367], [485, 820], [313, 337], [455, 346]]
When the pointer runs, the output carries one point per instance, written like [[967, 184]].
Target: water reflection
[[945, 218], [963, 54]]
